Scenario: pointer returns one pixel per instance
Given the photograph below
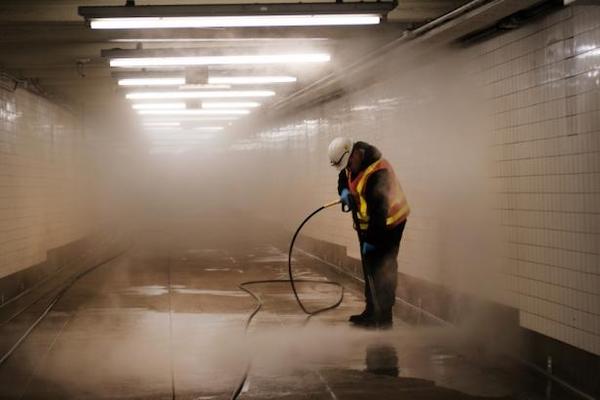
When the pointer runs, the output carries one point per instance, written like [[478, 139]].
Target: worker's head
[[339, 152], [357, 155]]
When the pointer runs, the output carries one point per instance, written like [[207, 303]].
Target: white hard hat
[[339, 152]]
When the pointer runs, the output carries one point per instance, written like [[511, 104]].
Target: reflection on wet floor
[[382, 360], [170, 319]]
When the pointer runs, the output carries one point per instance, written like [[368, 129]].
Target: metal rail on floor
[[53, 302], [31, 288]]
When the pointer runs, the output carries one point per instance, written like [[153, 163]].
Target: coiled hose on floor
[[292, 282]]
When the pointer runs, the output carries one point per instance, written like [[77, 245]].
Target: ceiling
[[47, 41]]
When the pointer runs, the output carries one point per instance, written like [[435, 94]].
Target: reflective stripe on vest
[[398, 206]]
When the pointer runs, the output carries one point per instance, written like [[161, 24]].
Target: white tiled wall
[[535, 141], [42, 196], [544, 82]]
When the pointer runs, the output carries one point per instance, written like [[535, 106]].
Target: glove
[[346, 198], [367, 248]]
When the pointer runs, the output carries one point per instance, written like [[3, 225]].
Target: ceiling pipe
[[180, 10], [373, 58], [465, 8], [375, 55]]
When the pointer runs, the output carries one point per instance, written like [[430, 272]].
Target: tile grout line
[[171, 361]]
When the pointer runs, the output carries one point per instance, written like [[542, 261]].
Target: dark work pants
[[382, 266]]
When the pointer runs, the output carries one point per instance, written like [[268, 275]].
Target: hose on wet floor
[[244, 286]]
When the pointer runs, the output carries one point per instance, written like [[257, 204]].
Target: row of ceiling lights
[[212, 80], [157, 103]]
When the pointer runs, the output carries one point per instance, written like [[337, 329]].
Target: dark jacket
[[377, 203]]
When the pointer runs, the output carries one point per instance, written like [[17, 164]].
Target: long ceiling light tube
[[162, 124], [158, 106], [200, 86], [199, 95], [241, 21], [189, 118], [142, 62], [240, 104], [195, 112], [250, 80], [163, 128], [209, 128], [172, 81], [220, 40]]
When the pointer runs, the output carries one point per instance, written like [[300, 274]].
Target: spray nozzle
[[333, 203]]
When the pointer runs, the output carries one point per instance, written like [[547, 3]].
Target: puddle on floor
[[301, 275], [271, 259], [204, 251], [230, 293], [442, 358], [151, 290], [271, 254], [239, 271]]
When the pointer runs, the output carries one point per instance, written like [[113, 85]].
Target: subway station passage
[[166, 320], [438, 160]]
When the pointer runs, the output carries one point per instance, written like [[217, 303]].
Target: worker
[[367, 185]]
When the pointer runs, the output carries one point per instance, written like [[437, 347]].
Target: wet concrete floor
[[166, 320]]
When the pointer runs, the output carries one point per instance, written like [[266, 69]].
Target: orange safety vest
[[398, 206]]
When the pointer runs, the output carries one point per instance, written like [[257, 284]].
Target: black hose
[[292, 282]]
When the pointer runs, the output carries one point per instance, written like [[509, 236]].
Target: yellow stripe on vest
[[398, 204]]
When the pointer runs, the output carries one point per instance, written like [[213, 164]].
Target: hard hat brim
[[343, 162]]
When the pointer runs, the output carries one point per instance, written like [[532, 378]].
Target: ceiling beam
[[381, 7], [77, 32], [412, 11]]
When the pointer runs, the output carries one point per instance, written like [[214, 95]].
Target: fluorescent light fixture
[[195, 112], [189, 118], [158, 106], [174, 81], [163, 124], [191, 40], [163, 128], [240, 104], [240, 21], [250, 80], [292, 58], [199, 95], [209, 128], [195, 86]]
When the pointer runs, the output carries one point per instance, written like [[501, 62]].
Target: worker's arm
[[378, 185]]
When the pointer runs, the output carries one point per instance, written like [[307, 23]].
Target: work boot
[[366, 323], [385, 324], [386, 321], [372, 323], [360, 318]]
